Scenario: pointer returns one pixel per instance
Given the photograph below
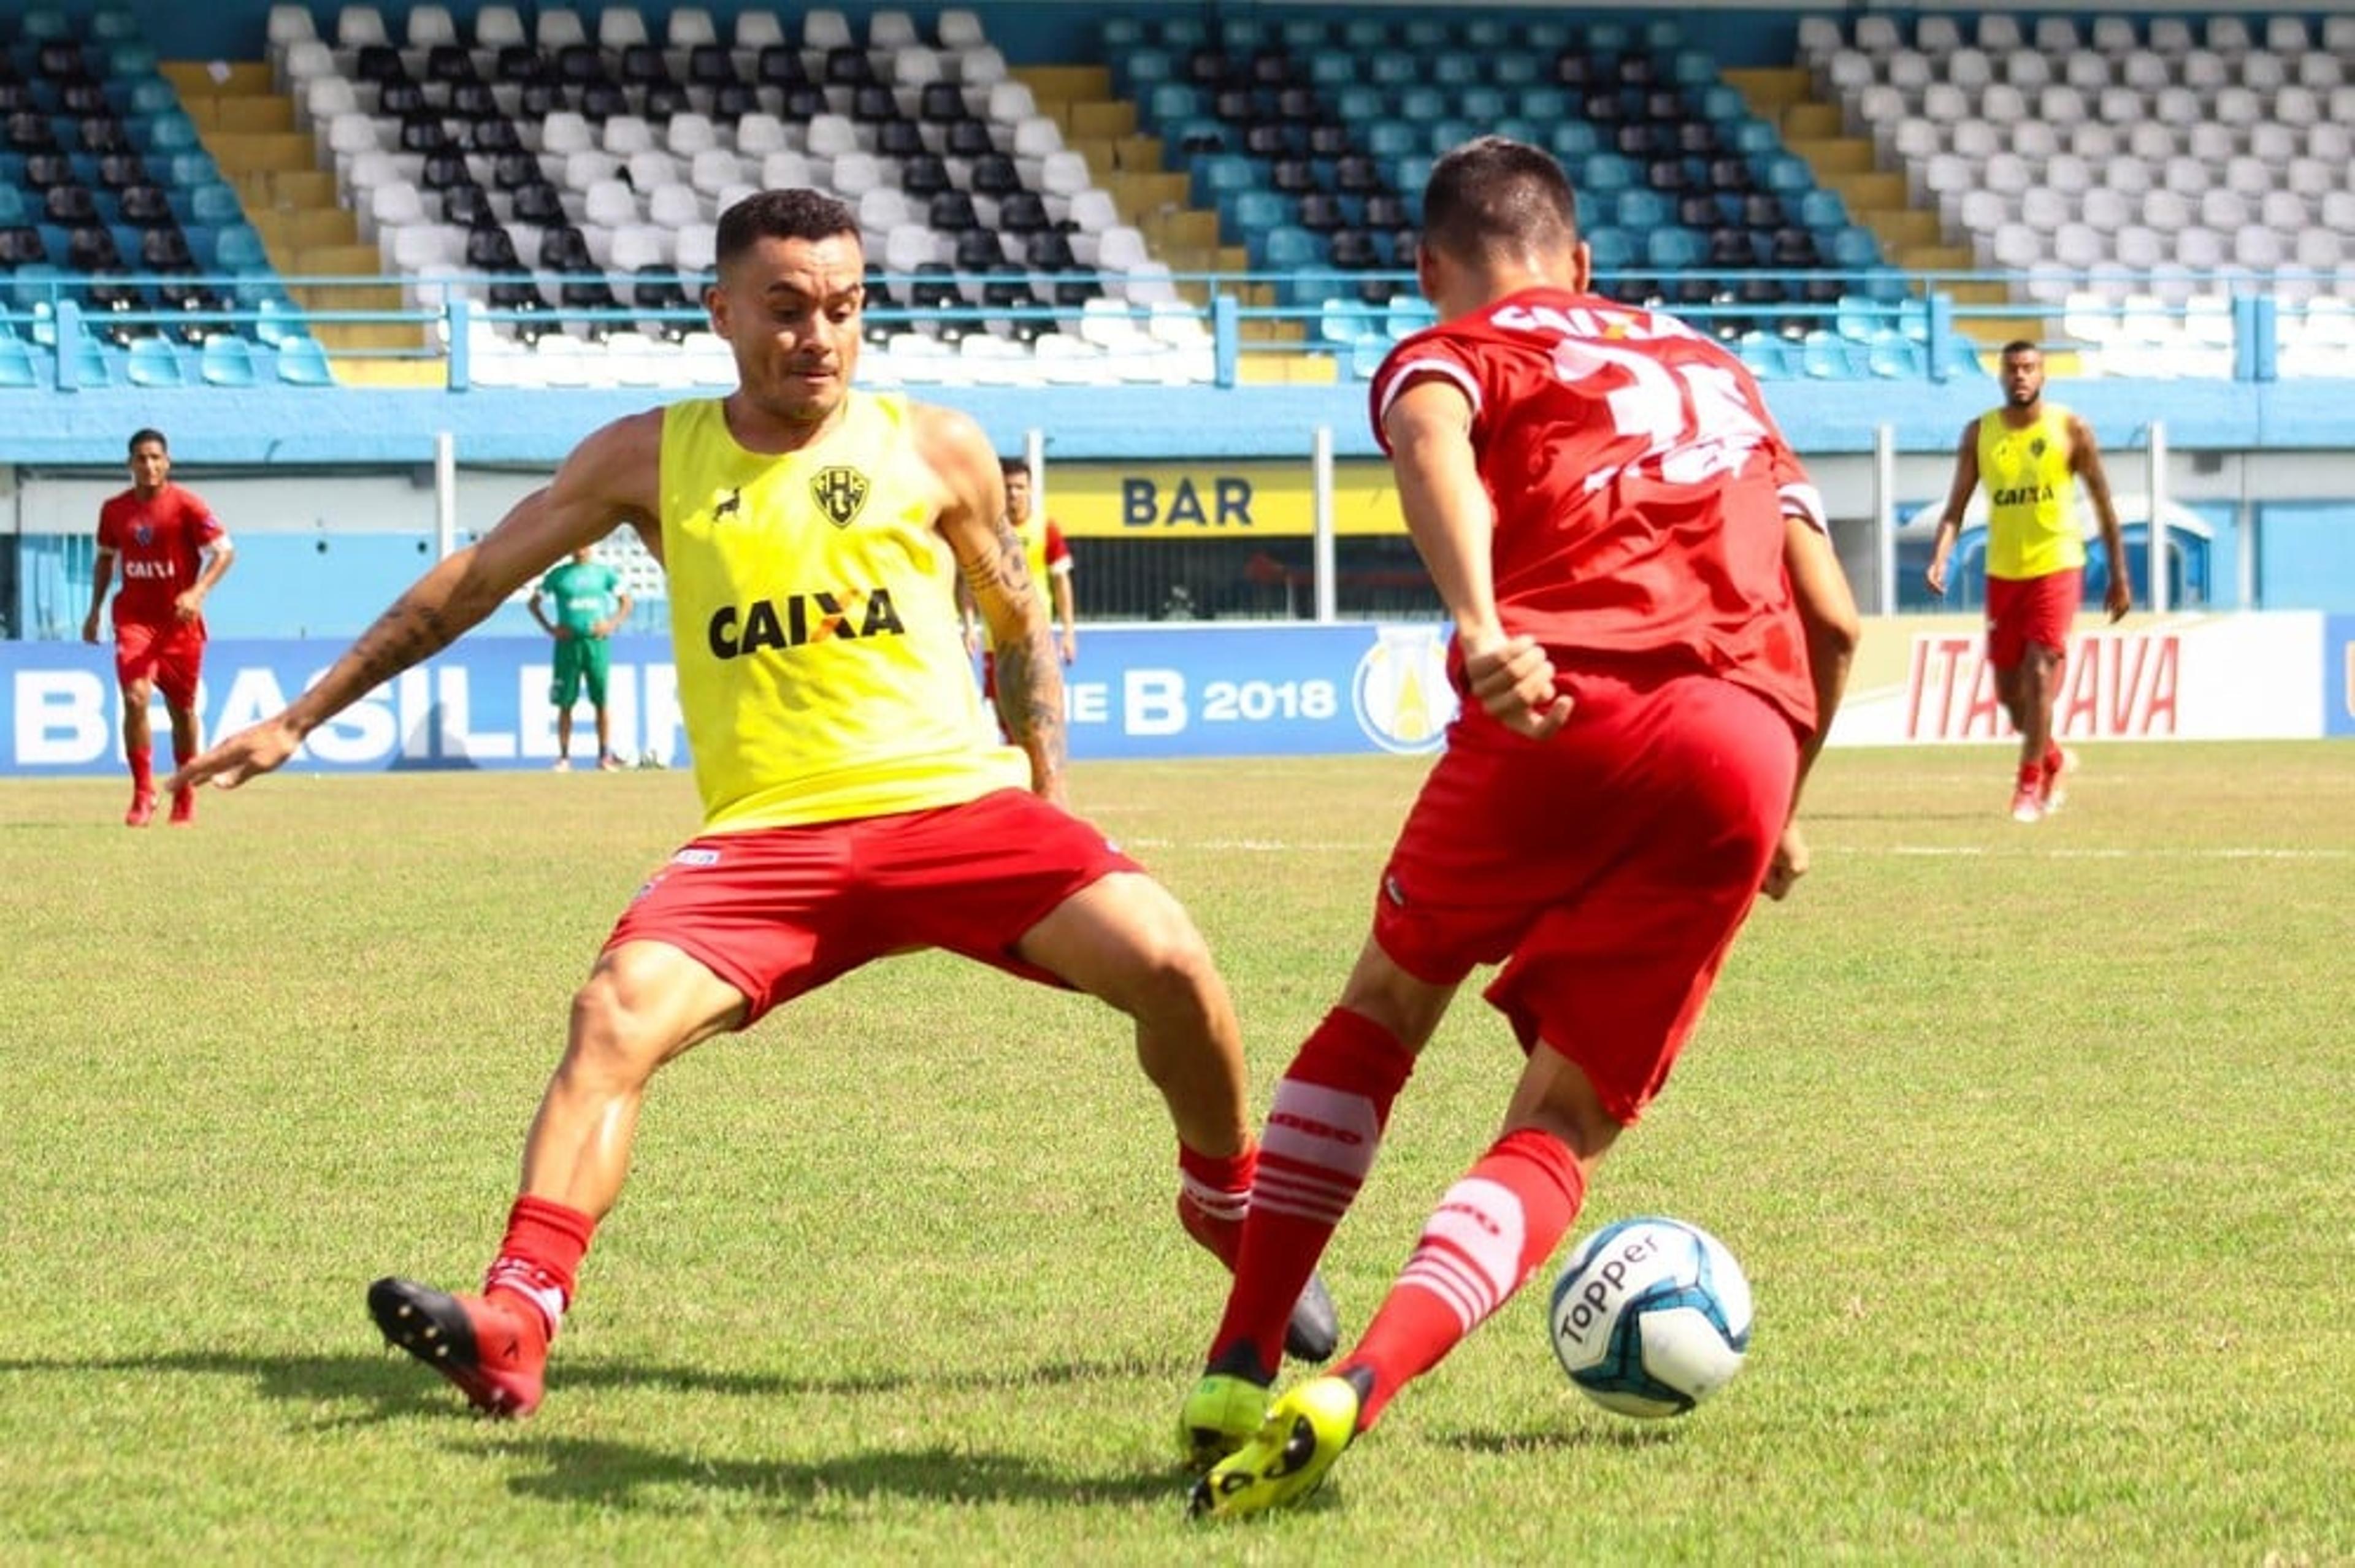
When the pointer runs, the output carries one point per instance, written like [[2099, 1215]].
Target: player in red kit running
[[171, 551], [1650, 633]]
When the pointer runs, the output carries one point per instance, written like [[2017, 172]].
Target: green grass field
[[2035, 1143]]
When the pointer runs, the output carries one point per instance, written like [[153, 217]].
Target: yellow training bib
[[2032, 527], [821, 667]]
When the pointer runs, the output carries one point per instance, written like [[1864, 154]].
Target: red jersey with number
[[1637, 483], [158, 545]]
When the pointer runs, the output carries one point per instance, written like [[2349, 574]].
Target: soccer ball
[[1650, 1316]]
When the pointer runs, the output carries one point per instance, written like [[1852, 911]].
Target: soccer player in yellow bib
[[811, 533], [2030, 455]]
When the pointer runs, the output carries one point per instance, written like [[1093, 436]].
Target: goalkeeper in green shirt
[[589, 603]]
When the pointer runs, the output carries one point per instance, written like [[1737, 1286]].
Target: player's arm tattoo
[[1030, 681], [404, 637]]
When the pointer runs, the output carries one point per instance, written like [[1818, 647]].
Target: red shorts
[[1607, 868], [781, 911], [2025, 610], [171, 655]]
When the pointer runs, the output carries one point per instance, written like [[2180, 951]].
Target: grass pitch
[[2034, 1142]]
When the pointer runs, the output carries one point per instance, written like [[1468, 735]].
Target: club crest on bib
[[143, 534], [839, 492]]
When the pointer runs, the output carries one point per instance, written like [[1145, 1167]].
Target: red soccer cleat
[[183, 807], [495, 1352], [143, 810]]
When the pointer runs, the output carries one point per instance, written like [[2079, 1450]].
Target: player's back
[[1638, 484]]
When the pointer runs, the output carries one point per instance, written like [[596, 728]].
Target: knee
[[613, 1029], [1169, 968]]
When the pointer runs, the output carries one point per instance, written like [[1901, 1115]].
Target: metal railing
[[53, 316]]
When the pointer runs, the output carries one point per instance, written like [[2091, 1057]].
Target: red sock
[[545, 1243], [1213, 1191], [1322, 1132], [2051, 756], [2030, 775], [1494, 1230], [143, 769]]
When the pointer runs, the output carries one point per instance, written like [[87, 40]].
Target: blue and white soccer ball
[[1650, 1316]]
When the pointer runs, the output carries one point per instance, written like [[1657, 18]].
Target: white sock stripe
[[1294, 1195], [1316, 1206], [1449, 1291], [1217, 1203], [515, 1275]]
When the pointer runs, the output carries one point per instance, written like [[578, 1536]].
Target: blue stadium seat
[[1893, 355], [1342, 322], [1853, 249], [1691, 68], [281, 319], [1671, 248], [302, 362], [1636, 209], [1829, 357], [1405, 315], [1332, 70], [1605, 175], [1770, 355], [1285, 247], [240, 249], [153, 364], [149, 97], [1611, 250], [1544, 103], [18, 371], [226, 361], [1822, 211], [1168, 100], [90, 365]]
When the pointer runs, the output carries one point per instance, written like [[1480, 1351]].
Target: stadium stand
[[118, 233], [530, 193], [2131, 177], [562, 178]]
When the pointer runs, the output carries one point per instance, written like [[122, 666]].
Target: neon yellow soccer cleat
[[1220, 1415], [1304, 1432]]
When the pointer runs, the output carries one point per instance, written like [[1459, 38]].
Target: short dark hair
[[1007, 468], [1494, 193], [796, 214], [2019, 345], [140, 438]]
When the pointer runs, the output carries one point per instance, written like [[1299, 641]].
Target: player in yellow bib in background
[[811, 533], [2030, 455]]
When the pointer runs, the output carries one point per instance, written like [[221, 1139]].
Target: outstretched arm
[[2086, 457], [990, 562], [1958, 501], [1429, 429], [609, 478]]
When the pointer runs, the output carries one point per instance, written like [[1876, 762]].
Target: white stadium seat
[[497, 27], [758, 30], [430, 25], [558, 25], [690, 26]]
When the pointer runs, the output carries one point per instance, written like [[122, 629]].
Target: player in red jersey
[[1651, 633], [171, 551]]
